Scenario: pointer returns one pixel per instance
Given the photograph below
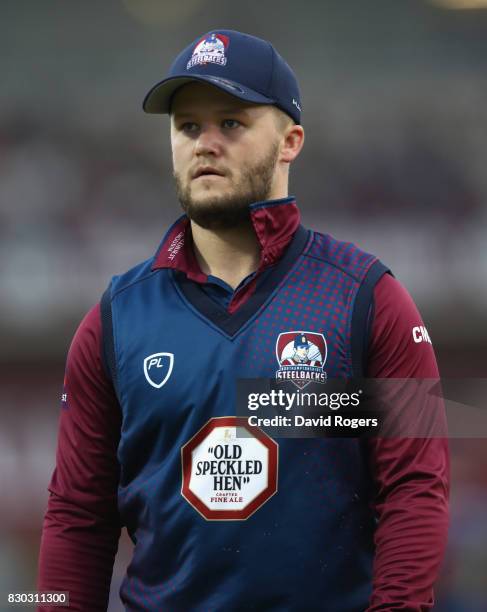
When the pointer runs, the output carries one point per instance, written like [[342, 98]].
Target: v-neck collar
[[231, 323], [274, 222]]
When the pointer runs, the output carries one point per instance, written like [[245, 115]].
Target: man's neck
[[230, 255]]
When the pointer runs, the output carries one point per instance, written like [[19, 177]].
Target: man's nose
[[209, 141]]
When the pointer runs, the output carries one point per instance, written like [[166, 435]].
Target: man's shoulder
[[132, 277], [346, 256]]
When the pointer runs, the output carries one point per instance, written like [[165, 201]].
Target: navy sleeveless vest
[[219, 524]]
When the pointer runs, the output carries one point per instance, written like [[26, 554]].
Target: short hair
[[283, 120]]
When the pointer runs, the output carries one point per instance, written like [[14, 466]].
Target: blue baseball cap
[[243, 66], [300, 341]]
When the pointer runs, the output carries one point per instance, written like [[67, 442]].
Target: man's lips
[[206, 171]]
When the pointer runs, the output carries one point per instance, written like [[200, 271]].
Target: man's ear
[[292, 143]]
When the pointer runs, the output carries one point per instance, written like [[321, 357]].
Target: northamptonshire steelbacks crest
[[301, 356], [210, 50]]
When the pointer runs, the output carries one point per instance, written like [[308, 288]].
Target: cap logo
[[209, 50]]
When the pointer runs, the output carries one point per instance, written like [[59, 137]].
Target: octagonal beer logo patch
[[229, 469], [301, 356]]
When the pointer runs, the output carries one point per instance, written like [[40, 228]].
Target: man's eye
[[231, 123], [189, 127]]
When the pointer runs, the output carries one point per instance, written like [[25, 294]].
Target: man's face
[[225, 153], [302, 352]]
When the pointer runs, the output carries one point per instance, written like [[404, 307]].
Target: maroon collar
[[274, 222]]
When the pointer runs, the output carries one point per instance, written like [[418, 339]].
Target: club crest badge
[[158, 368], [301, 356], [210, 50]]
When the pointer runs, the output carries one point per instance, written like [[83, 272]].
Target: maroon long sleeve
[[81, 527], [412, 474]]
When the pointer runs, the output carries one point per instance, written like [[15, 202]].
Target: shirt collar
[[274, 222]]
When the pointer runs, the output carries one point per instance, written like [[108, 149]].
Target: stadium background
[[394, 97]]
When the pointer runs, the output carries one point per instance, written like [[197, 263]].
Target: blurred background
[[394, 97]]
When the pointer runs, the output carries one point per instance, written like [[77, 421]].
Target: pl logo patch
[[158, 368], [301, 356], [210, 50]]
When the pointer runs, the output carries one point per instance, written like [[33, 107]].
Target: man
[[148, 438], [300, 354]]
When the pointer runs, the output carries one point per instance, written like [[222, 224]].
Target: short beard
[[229, 210]]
